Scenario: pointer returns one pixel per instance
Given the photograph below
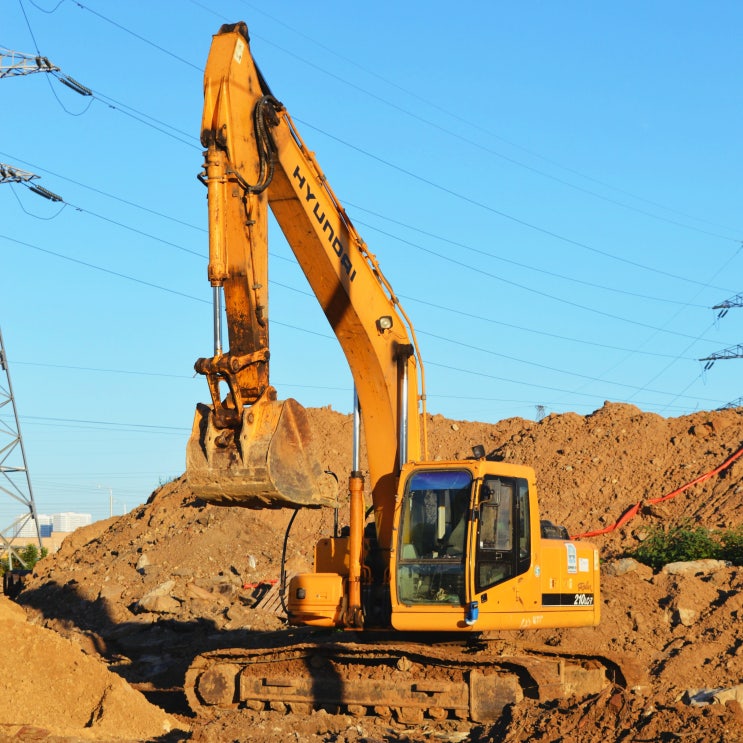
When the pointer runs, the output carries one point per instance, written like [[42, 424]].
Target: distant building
[[70, 521], [65, 522], [53, 528], [28, 529]]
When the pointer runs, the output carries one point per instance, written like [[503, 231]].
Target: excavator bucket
[[269, 462]]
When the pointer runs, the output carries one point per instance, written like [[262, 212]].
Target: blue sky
[[553, 190]]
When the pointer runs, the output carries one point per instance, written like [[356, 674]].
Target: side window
[[503, 531], [420, 525], [496, 530], [524, 523]]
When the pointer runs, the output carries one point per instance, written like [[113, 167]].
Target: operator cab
[[451, 519]]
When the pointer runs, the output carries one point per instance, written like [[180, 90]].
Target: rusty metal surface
[[408, 681], [268, 462], [322, 691]]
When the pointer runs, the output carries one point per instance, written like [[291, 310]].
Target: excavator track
[[405, 681]]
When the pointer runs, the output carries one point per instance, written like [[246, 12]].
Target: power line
[[539, 365], [531, 384], [411, 94], [522, 328], [118, 274], [167, 129], [526, 288], [479, 143], [461, 196], [453, 134], [139, 36], [551, 274], [101, 192], [491, 209], [439, 255], [106, 424], [396, 237]]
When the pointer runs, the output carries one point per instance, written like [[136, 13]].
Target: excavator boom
[[256, 160]]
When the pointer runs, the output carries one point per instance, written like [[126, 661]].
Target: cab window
[[433, 536], [503, 548]]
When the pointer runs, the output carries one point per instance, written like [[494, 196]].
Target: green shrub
[[731, 545], [29, 554], [678, 544]]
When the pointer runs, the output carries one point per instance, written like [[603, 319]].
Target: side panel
[[316, 599], [570, 578]]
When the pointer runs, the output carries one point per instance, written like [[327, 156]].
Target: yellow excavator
[[447, 552]]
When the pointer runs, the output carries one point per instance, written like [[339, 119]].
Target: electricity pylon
[[14, 64], [11, 174], [736, 301], [733, 352], [732, 405], [15, 483]]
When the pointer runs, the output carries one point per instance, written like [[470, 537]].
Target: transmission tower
[[15, 483], [733, 352], [14, 64], [11, 174], [738, 403], [736, 301]]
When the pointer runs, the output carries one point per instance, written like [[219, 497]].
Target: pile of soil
[[138, 596], [50, 684]]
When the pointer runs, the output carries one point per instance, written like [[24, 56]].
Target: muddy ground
[[118, 613]]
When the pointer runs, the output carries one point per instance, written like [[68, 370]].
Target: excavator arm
[[255, 159]]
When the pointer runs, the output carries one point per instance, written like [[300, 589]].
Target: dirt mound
[[51, 685], [149, 590]]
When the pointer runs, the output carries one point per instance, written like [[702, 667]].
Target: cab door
[[502, 548]]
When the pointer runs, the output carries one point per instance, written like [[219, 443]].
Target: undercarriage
[[409, 682]]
